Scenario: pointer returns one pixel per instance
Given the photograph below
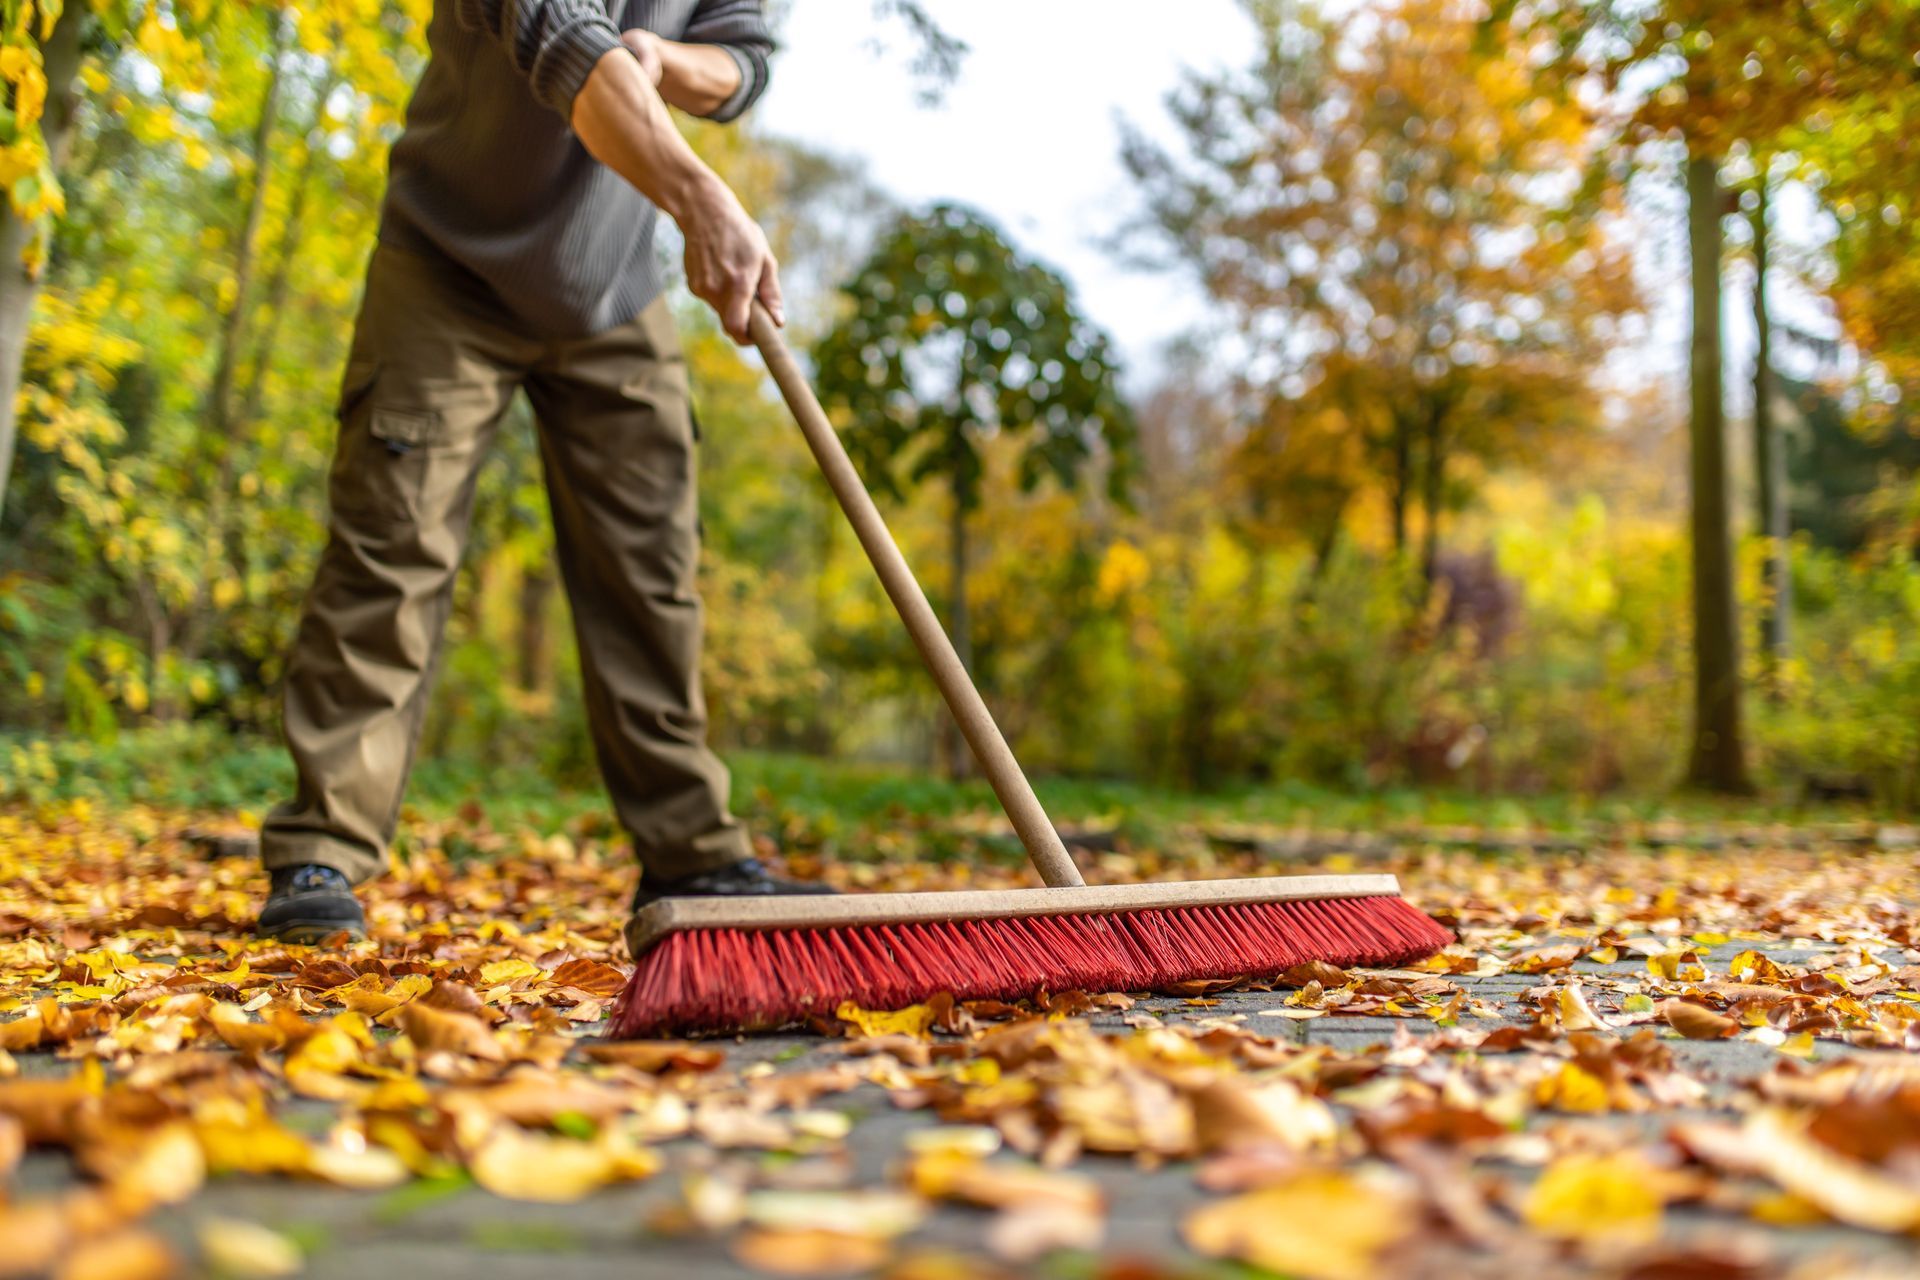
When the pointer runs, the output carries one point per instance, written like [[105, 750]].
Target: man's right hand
[[729, 264], [622, 121]]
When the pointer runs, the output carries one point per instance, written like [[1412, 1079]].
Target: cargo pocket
[[380, 464]]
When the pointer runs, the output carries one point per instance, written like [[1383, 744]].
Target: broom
[[712, 964]]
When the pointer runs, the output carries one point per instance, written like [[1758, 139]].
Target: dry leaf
[[238, 1248], [1323, 1225], [1024, 1234], [1230, 1114], [1593, 1198], [1696, 1022], [804, 1252], [914, 1020], [521, 1166], [120, 1255], [436, 1030], [653, 1055]]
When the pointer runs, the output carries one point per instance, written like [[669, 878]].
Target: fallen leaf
[[1320, 1225], [1597, 1198], [914, 1020], [238, 1248], [1230, 1114], [435, 1030], [806, 1252], [518, 1165], [653, 1055], [1696, 1022], [119, 1255]]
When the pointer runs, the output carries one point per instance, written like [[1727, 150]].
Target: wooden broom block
[[672, 915]]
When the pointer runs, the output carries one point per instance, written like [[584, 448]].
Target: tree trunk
[[274, 301], [959, 627], [1402, 481], [227, 354], [1717, 761], [535, 638], [1769, 461], [1433, 489], [20, 283]]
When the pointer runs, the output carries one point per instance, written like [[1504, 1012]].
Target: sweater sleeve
[[739, 27], [553, 43]]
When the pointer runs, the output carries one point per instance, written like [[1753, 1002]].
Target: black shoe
[[744, 879], [308, 904]]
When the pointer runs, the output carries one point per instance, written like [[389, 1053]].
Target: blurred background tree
[[1404, 509], [954, 343]]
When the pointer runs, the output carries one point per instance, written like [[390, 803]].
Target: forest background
[[1406, 512]]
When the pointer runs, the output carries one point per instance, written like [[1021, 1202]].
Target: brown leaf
[[655, 1056], [1697, 1022], [1327, 975], [806, 1252], [457, 997], [590, 976], [1230, 1114], [438, 1030], [120, 1255]]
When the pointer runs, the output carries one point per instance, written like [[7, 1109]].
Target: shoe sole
[[310, 933]]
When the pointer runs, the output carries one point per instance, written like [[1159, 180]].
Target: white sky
[[1028, 134]]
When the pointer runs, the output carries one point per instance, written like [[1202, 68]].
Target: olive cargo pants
[[433, 365]]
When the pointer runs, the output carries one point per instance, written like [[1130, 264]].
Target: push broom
[[713, 964]]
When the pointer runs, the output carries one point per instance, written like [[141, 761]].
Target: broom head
[[719, 964]]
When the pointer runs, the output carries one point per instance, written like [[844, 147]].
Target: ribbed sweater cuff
[[567, 57], [753, 75]]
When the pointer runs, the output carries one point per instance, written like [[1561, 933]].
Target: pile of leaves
[[1544, 1094]]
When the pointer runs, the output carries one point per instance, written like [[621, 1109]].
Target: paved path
[[467, 1233]]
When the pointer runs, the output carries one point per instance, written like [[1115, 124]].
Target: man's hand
[[624, 123], [728, 262], [697, 78], [645, 46]]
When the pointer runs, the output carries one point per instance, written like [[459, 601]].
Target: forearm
[[623, 122], [697, 78]]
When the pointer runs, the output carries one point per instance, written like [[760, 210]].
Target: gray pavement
[[463, 1233]]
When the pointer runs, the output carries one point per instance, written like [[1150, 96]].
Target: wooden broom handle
[[1036, 830]]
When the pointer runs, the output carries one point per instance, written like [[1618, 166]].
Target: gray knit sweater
[[488, 175]]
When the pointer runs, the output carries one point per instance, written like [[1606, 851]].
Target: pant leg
[[617, 441], [428, 378]]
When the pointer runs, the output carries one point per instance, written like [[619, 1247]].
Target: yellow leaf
[[248, 1249], [914, 1020], [1573, 1088], [1591, 1198], [505, 971], [1324, 1225], [518, 1165]]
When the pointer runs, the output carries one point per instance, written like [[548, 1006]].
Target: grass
[[199, 768]]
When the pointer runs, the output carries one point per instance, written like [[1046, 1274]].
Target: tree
[[953, 339], [1769, 453], [1404, 249], [1705, 75], [40, 51]]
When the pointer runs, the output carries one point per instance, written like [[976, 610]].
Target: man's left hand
[[646, 47]]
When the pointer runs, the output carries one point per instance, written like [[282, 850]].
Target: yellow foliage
[[1592, 1197]]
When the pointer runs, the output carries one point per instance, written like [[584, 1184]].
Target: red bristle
[[727, 979]]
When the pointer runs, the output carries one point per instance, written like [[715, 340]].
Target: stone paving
[[467, 1233]]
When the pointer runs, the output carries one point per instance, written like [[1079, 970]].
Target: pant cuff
[[278, 851], [710, 852]]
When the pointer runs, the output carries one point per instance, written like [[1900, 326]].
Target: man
[[516, 252]]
